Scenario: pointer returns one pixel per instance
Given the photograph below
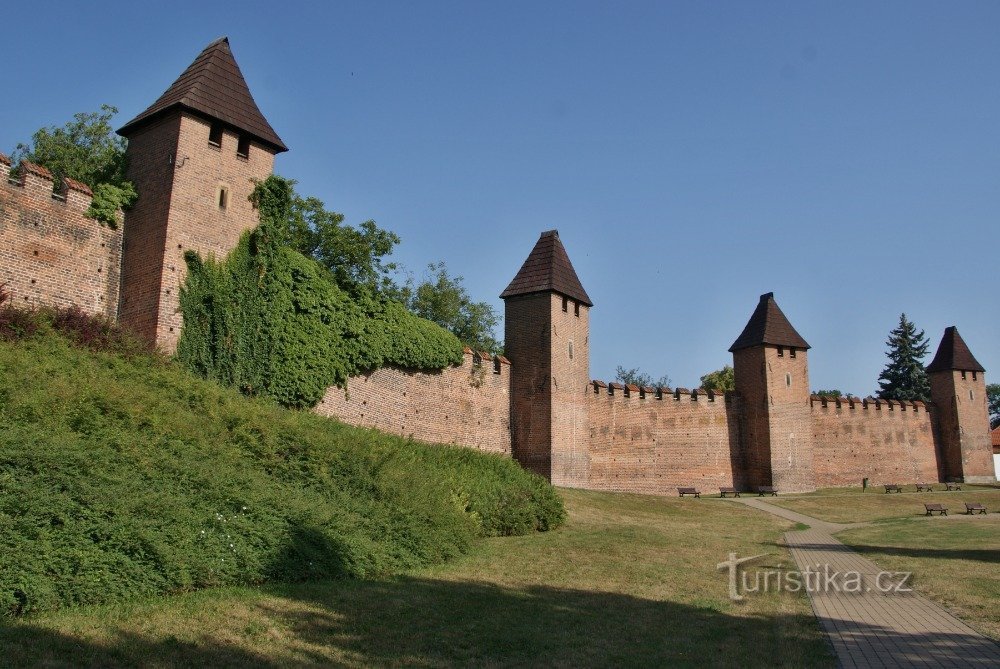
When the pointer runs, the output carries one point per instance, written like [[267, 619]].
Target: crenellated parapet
[[51, 253], [874, 404], [662, 393]]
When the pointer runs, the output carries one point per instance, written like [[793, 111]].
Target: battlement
[[474, 359], [38, 182], [868, 403], [631, 391]]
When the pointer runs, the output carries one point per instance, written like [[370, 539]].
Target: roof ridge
[[548, 269], [768, 325]]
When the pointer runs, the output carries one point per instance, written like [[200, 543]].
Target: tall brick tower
[[958, 390], [772, 379], [547, 340], [192, 156]]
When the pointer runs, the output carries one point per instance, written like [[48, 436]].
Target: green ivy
[[270, 321]]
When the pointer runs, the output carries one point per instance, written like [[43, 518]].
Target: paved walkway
[[872, 628]]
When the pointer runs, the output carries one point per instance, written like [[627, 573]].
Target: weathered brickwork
[[467, 405], [193, 195], [883, 441], [653, 443], [50, 253], [963, 425]]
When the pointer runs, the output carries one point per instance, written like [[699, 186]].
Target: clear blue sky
[[693, 155]]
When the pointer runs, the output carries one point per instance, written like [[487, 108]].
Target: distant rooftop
[[548, 269], [212, 86], [768, 325]]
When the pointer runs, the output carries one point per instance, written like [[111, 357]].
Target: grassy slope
[[123, 479], [628, 581], [850, 505]]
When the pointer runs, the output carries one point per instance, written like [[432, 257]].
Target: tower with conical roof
[[958, 390], [547, 340], [772, 381], [193, 156]]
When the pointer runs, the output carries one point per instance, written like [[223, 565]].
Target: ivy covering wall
[[273, 322]]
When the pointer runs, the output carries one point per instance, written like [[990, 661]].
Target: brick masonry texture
[[50, 253], [468, 404], [179, 176]]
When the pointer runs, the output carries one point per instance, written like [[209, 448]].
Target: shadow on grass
[[427, 622], [975, 554]]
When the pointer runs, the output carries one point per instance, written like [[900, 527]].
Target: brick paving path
[[872, 628]]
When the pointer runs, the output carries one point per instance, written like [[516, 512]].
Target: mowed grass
[[955, 561], [850, 505], [629, 580]]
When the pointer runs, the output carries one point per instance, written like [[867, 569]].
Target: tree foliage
[[270, 321], [88, 150], [829, 393], [721, 380], [355, 256], [904, 377], [639, 378], [442, 298], [993, 398]]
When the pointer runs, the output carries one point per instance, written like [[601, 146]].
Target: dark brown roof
[[768, 325], [548, 268], [213, 86], [953, 353]]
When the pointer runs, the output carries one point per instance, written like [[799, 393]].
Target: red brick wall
[[528, 345], [178, 175], [570, 377], [882, 441], [50, 253], [654, 446], [964, 426], [466, 405]]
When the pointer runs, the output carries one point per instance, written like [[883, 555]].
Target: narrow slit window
[[570, 349], [243, 147], [972, 396], [788, 380], [781, 352], [496, 364], [974, 375], [576, 308], [215, 135], [791, 352], [565, 304], [963, 375], [223, 197]]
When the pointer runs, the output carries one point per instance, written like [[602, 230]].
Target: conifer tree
[[904, 377]]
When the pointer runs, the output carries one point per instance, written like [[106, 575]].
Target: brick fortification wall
[[466, 405], [883, 440], [50, 253], [645, 441]]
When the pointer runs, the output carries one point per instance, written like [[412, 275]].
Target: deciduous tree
[[635, 377], [722, 380]]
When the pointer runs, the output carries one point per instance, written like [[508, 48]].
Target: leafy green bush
[[270, 321], [123, 478]]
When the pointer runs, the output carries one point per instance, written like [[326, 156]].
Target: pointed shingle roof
[[768, 325], [213, 86], [548, 268], [953, 353]]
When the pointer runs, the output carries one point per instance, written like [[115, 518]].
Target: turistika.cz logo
[[814, 579]]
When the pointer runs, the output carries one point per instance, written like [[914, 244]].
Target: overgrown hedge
[[270, 321], [123, 478]]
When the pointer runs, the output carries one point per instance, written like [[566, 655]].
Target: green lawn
[[955, 561], [850, 505], [629, 580]]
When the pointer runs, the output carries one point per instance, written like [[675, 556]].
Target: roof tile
[[548, 269], [953, 353], [768, 325]]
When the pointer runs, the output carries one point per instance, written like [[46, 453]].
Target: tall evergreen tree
[[904, 377]]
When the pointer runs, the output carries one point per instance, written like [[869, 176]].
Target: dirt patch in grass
[[630, 580]]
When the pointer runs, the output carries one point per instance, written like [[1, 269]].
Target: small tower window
[[243, 147], [791, 352], [972, 396], [963, 375], [781, 351], [576, 308], [565, 304], [223, 197], [215, 135], [974, 372], [496, 364], [570, 349], [788, 380]]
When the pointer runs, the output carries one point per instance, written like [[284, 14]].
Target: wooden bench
[[974, 507], [689, 491], [931, 508], [729, 491], [925, 487], [892, 487], [767, 490], [953, 486]]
